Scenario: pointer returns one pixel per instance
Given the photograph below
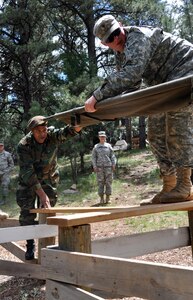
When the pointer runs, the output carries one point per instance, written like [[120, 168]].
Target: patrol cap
[[36, 121], [101, 133], [105, 26]]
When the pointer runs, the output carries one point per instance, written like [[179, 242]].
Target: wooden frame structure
[[79, 268]]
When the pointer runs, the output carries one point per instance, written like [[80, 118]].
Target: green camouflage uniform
[[6, 166], [103, 159], [38, 168], [155, 57]]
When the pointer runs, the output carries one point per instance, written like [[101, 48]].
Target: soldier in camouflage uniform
[[38, 174], [104, 163], [6, 166], [154, 57]]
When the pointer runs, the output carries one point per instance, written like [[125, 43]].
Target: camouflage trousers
[[27, 199], [5, 181], [104, 180], [171, 139]]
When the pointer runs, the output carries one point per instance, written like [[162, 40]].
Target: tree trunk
[[142, 133]]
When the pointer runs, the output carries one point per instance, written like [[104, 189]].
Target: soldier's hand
[[77, 128], [89, 105], [45, 202]]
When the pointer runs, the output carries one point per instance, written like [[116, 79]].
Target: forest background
[[51, 62]]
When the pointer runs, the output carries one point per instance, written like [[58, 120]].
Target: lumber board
[[20, 269], [56, 290], [13, 234], [121, 277], [15, 249], [92, 217], [76, 209], [10, 222], [129, 246]]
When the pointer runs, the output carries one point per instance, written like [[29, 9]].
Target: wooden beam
[[140, 244], [121, 277], [27, 232], [188, 205], [57, 290], [67, 210], [10, 222], [92, 217], [15, 249], [17, 269], [76, 238]]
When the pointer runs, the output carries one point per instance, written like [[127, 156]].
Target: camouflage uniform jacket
[[103, 155], [149, 54], [6, 162], [39, 161]]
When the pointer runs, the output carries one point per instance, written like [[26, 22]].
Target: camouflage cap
[[101, 133], [36, 121], [105, 26]]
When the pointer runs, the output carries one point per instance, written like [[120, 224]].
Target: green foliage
[[49, 59]]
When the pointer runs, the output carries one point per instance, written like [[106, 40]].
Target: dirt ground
[[28, 289]]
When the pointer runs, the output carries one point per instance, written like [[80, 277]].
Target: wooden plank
[[15, 249], [26, 232], [91, 217], [10, 222], [56, 290], [66, 210], [121, 277], [188, 205], [144, 243], [17, 269]]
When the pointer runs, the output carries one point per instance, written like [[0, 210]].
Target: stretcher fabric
[[165, 97]]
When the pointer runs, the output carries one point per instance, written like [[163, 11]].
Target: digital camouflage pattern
[[6, 166], [38, 168], [153, 57], [150, 55], [103, 160]]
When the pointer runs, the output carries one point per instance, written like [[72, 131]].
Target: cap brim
[[113, 28]]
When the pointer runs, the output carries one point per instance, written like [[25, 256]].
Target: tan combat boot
[[183, 190], [169, 182], [108, 199]]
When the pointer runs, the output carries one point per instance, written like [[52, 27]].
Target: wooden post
[[190, 219], [75, 238], [43, 243]]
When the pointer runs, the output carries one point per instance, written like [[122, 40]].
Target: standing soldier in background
[[6, 166], [38, 174], [104, 163]]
